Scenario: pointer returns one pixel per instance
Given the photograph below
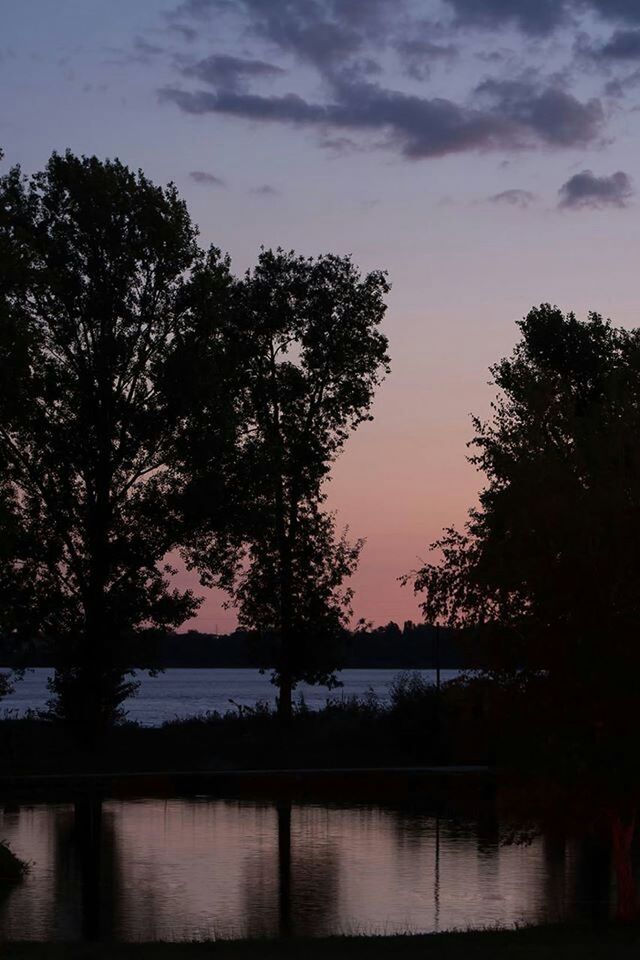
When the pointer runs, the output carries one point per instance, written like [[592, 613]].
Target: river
[[179, 693]]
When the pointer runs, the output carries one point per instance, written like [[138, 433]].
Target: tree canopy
[[550, 553], [545, 573], [93, 268], [307, 332]]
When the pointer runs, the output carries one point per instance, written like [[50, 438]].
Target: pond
[[185, 869]]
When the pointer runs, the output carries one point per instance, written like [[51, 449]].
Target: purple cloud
[[514, 198], [231, 73], [515, 115], [585, 190], [206, 179]]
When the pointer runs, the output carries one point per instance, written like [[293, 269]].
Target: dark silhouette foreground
[[546, 943], [544, 577], [419, 727], [150, 403], [92, 264]]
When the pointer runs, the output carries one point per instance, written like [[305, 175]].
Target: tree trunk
[[88, 836], [285, 665], [98, 692], [285, 699], [621, 840], [94, 692], [285, 537], [284, 869]]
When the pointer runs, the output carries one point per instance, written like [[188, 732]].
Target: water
[[184, 869], [179, 693]]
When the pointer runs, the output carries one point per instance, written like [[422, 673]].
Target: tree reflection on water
[[201, 868]]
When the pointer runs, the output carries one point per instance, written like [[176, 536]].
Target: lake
[[179, 693], [185, 869]]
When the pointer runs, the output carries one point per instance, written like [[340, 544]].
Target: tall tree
[[307, 332], [546, 571], [91, 306], [14, 593]]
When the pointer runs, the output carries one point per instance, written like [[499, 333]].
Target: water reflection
[[189, 869], [284, 869], [87, 837]]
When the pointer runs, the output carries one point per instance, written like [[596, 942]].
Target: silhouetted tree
[[14, 597], [547, 568], [306, 337], [92, 280]]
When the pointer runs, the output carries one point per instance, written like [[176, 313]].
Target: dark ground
[[616, 943]]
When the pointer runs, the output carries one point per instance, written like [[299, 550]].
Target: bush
[[414, 707], [419, 726]]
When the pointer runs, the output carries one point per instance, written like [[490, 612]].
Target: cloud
[[187, 33], [345, 41], [531, 16], [206, 179], [418, 56], [539, 17], [550, 113], [585, 190], [338, 146], [231, 73], [622, 45], [140, 51], [327, 32], [288, 108], [625, 11], [620, 86], [515, 198], [322, 32], [516, 115], [146, 49], [265, 190]]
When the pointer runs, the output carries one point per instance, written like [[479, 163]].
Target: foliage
[[548, 564], [545, 573], [321, 562], [305, 334], [410, 692], [348, 731], [93, 258]]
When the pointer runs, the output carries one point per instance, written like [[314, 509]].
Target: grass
[[531, 943]]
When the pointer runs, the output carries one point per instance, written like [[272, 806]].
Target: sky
[[483, 152]]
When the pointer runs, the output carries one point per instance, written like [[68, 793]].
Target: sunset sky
[[484, 152]]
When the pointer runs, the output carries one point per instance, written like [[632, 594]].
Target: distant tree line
[[414, 646]]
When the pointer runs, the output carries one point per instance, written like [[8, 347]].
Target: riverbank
[[550, 943], [376, 784], [419, 727]]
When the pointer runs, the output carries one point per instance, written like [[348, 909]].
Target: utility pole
[[438, 730]]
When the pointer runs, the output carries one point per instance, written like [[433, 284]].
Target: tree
[[545, 573], [305, 333], [92, 275], [10, 272]]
